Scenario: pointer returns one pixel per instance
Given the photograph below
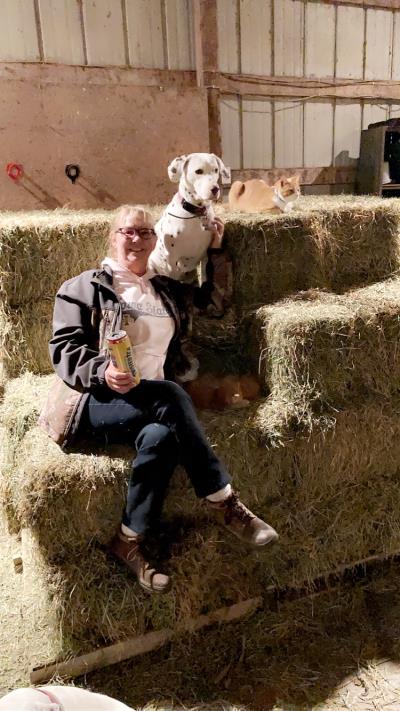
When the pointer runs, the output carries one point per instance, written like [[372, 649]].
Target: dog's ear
[[175, 169], [225, 173]]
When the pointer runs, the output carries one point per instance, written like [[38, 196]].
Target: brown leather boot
[[128, 550], [241, 521]]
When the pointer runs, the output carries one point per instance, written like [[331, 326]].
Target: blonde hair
[[123, 212]]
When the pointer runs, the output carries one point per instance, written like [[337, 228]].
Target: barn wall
[[311, 40], [54, 112], [69, 82]]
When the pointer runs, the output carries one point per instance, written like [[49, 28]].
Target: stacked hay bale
[[330, 488]]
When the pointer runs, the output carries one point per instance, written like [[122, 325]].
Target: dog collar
[[193, 209]]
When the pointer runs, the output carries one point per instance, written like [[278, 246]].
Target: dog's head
[[198, 175]]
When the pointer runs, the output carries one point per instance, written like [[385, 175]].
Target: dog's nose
[[215, 190]]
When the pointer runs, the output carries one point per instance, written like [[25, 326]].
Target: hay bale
[[330, 242], [25, 339], [216, 344], [322, 352], [334, 499], [333, 242]]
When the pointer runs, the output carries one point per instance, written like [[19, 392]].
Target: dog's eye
[[216, 170], [199, 171]]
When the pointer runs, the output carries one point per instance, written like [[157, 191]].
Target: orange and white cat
[[257, 196], [213, 392]]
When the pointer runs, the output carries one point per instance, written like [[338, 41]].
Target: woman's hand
[[120, 382], [218, 233]]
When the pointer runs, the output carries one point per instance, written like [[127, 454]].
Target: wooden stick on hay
[[138, 645], [153, 640]]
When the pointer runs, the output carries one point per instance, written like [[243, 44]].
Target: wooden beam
[[341, 175], [296, 87], [205, 37], [122, 76], [206, 52], [214, 122], [238, 84]]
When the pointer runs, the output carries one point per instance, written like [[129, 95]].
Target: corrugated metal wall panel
[[319, 40], [347, 132], [288, 37], [145, 33], [62, 31], [373, 112], [180, 48], [104, 33], [18, 33], [228, 36], [289, 126], [318, 132], [310, 38], [396, 46], [349, 42], [378, 47], [255, 36], [394, 111], [231, 131], [257, 133]]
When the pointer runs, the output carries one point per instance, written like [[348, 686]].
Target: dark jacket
[[86, 311]]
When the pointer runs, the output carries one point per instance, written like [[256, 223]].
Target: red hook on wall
[[14, 171]]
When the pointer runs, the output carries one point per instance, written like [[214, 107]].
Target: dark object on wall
[[14, 171], [379, 143], [393, 154], [390, 123], [72, 171]]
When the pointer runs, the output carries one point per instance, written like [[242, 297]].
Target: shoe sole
[[271, 540], [153, 591]]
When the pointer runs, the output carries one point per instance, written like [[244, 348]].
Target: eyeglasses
[[142, 232]]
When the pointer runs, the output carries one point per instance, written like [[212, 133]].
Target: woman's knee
[[175, 392], [156, 436]]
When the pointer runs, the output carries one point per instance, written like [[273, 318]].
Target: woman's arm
[[74, 348]]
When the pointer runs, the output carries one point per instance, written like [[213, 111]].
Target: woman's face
[[133, 240]]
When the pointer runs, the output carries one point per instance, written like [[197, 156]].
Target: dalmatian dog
[[187, 227], [59, 698]]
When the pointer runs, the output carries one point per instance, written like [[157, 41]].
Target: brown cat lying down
[[210, 392], [256, 196]]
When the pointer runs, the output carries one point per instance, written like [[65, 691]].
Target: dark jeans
[[158, 418]]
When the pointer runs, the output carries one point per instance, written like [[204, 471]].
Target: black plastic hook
[[72, 171]]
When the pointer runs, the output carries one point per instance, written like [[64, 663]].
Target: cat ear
[[175, 169]]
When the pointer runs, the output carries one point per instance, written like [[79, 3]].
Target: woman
[[157, 415]]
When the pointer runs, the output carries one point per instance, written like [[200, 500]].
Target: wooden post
[[206, 52]]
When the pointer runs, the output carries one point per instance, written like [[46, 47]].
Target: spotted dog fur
[[185, 230]]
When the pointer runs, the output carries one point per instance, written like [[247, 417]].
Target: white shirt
[[145, 319]]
